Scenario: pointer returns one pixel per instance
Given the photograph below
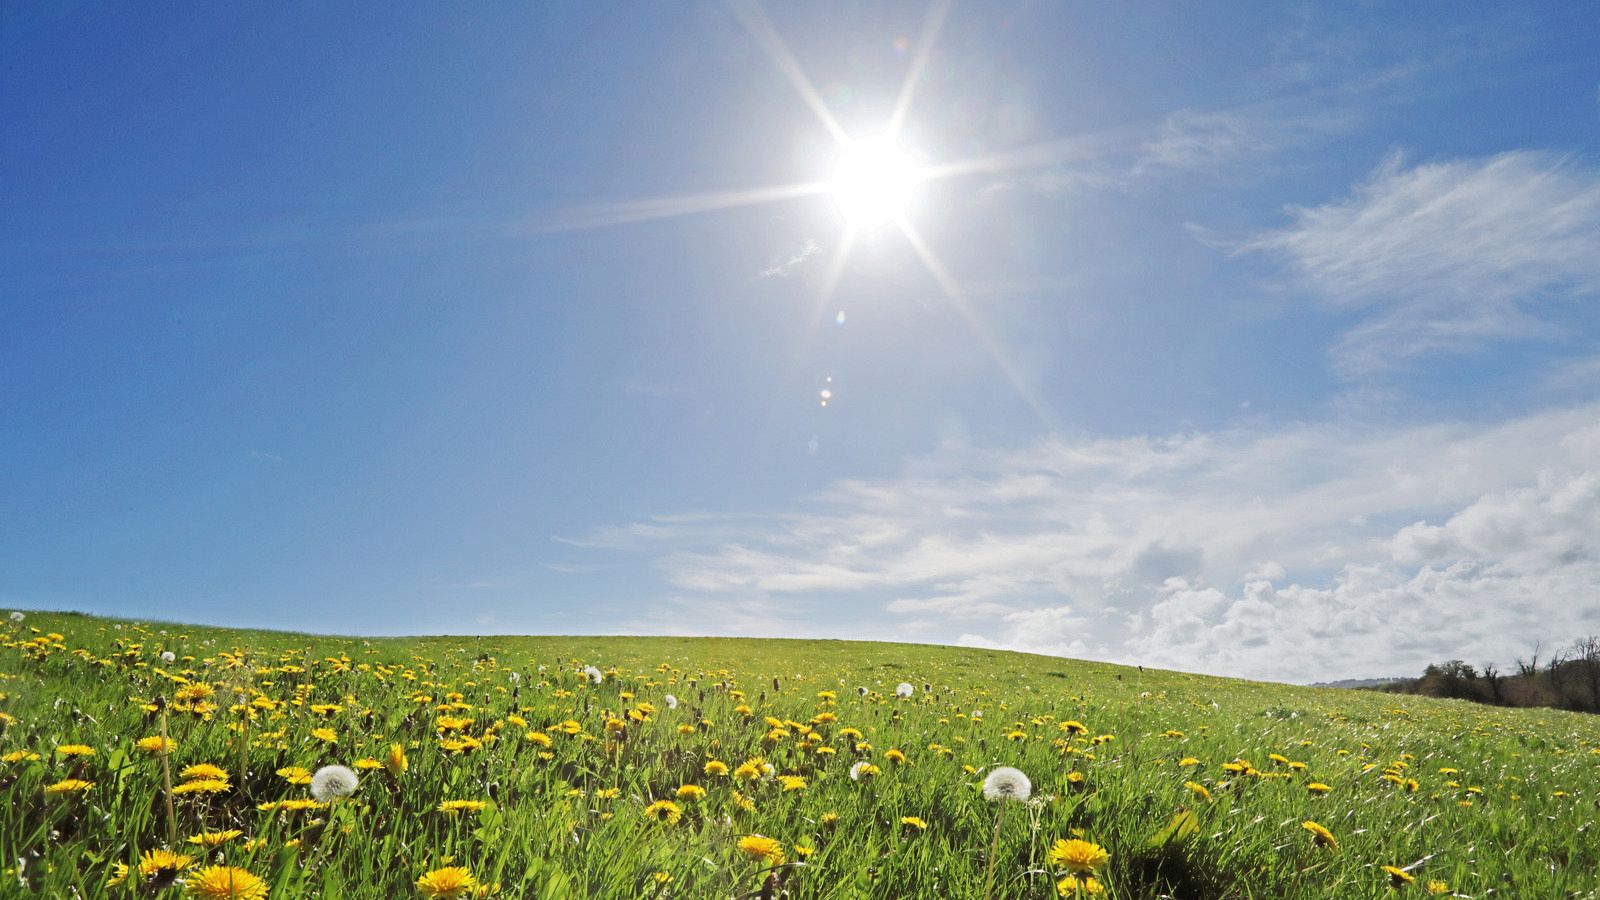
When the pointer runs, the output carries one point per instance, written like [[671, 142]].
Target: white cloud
[[1449, 256], [1213, 140], [1307, 552], [796, 259]]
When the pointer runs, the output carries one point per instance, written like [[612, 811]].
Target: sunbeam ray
[[958, 298], [626, 212], [830, 278], [755, 22], [930, 33]]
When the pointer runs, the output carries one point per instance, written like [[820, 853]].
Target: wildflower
[[161, 866], [792, 782], [449, 883], [168, 656], [1006, 783], [325, 734], [762, 848], [904, 690], [1071, 726], [1199, 790], [69, 786], [716, 767], [396, 761], [863, 770], [455, 807], [1398, 877], [1188, 761], [17, 616], [1072, 886], [17, 756], [203, 770], [1077, 856], [1317, 787], [154, 745], [333, 783], [75, 750], [594, 675], [295, 774], [215, 838], [664, 811], [1438, 887], [914, 823], [670, 701], [537, 737], [202, 786], [1320, 836], [690, 792], [226, 883], [895, 755]]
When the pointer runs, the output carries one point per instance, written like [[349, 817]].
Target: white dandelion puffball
[[670, 701], [856, 770], [18, 617], [1006, 783], [167, 656], [904, 689], [594, 675], [332, 783], [977, 714]]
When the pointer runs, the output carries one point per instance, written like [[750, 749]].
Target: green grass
[[1515, 820]]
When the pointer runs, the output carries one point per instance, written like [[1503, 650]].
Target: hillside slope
[[497, 767]]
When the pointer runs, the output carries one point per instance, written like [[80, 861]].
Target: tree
[[1493, 678]]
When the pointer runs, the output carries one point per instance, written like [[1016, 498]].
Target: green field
[[1195, 787]]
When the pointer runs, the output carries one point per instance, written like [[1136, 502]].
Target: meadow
[[160, 760]]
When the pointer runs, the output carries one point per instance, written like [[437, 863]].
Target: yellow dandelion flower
[[396, 761], [162, 865], [1398, 877], [1317, 787], [1073, 886], [325, 734], [215, 838], [1077, 855], [913, 823], [1438, 887], [1320, 836], [792, 782], [17, 756], [202, 786], [226, 883], [75, 750], [203, 770], [761, 848], [456, 807], [448, 883], [664, 811], [154, 745], [295, 774], [1188, 761], [537, 737], [691, 792], [715, 768], [366, 764], [1199, 790], [69, 786]]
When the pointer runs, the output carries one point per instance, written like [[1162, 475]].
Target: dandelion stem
[[166, 780], [994, 850]]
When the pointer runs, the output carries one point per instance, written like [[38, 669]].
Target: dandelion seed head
[[333, 782], [904, 689], [1006, 783]]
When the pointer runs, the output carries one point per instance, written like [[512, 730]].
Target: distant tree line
[[1568, 678]]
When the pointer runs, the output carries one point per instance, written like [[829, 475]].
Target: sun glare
[[874, 181]]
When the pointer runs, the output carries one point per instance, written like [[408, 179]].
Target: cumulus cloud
[[1447, 256], [1308, 552]]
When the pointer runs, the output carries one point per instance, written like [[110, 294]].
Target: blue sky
[[1257, 338]]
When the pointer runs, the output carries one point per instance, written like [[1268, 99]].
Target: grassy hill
[[1195, 787]]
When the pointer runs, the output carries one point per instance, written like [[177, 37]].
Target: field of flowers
[[170, 761]]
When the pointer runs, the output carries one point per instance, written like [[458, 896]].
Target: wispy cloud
[[1447, 256], [1284, 553], [810, 249]]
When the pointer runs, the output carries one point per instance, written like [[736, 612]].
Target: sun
[[873, 181]]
